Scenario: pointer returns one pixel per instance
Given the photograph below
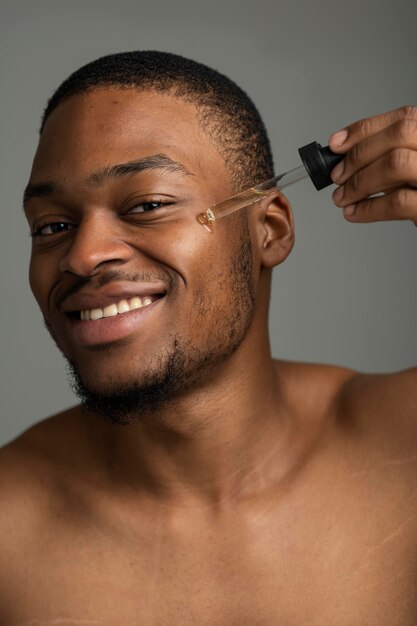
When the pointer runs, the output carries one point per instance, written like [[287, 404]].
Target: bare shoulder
[[31, 470], [381, 407], [313, 388], [37, 444], [384, 405]]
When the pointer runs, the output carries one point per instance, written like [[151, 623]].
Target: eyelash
[[161, 203], [42, 225], [37, 231]]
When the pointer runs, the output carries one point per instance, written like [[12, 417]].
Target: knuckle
[[409, 111], [365, 126], [398, 159], [354, 156], [405, 129], [398, 201]]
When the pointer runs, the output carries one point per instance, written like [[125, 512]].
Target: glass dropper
[[318, 162]]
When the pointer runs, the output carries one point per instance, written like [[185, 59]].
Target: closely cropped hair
[[225, 111]]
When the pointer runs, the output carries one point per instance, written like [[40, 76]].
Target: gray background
[[347, 294]]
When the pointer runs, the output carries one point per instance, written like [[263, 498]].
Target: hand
[[381, 156]]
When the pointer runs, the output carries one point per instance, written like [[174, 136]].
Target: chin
[[124, 399]]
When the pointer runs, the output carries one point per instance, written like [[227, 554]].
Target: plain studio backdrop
[[347, 293]]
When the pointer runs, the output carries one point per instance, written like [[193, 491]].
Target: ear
[[274, 229]]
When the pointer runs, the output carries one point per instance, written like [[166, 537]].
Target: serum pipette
[[318, 162]]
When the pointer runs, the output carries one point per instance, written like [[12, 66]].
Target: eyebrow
[[113, 172]]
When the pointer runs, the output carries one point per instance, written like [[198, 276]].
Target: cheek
[[40, 279], [192, 252], [34, 279], [202, 262], [206, 267]]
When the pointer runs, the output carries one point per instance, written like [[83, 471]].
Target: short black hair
[[225, 111]]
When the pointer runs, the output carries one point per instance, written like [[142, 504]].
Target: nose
[[96, 241]]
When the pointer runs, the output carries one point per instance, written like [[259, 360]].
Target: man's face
[[107, 236]]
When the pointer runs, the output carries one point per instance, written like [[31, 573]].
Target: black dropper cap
[[319, 162]]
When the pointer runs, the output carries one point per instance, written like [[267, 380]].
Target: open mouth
[[117, 308]]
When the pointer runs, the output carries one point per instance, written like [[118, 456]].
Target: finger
[[400, 204], [401, 134], [344, 139], [396, 168]]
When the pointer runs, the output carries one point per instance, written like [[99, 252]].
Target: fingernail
[[338, 194], [349, 210], [339, 138], [337, 172]]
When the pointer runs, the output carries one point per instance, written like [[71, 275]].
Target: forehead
[[106, 126]]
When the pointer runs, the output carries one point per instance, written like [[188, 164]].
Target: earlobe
[[275, 229]]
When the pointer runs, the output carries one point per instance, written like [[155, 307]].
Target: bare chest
[[325, 563]]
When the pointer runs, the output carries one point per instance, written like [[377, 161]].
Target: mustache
[[102, 279]]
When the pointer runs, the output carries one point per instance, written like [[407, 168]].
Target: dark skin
[[268, 492]]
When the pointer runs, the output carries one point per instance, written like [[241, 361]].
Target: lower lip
[[110, 329]]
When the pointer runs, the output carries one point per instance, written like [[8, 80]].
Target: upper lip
[[111, 294]]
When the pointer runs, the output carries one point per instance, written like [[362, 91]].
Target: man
[[200, 482]]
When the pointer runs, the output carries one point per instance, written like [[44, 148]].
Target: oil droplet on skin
[[205, 221]]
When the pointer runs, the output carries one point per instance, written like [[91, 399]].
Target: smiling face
[[130, 285]]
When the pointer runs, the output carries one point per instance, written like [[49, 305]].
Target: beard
[[175, 371], [182, 365]]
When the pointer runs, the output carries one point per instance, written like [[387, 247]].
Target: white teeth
[[136, 303], [114, 309], [123, 306], [110, 310]]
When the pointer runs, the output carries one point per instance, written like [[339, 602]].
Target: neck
[[230, 440]]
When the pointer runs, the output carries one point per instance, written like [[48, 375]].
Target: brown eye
[[53, 228], [144, 207]]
